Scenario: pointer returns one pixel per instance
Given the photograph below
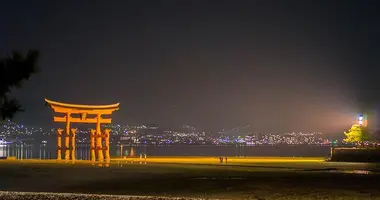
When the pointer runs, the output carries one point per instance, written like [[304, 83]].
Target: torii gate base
[[99, 142]]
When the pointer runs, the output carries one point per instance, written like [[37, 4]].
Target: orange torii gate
[[83, 112]]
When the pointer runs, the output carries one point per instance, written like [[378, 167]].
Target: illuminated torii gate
[[83, 112]]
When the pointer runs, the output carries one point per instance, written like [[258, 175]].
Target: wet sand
[[201, 178]]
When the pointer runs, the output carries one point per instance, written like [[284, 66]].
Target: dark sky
[[277, 65]]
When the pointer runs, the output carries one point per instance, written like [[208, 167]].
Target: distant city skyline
[[149, 126], [145, 135]]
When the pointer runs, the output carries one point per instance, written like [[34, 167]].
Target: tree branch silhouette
[[14, 70]]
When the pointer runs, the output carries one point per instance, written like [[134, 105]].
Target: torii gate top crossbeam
[[83, 110], [73, 107]]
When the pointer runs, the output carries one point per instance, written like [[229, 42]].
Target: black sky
[[277, 65]]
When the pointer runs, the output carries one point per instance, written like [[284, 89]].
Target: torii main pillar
[[97, 151]]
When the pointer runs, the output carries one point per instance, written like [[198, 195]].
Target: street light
[[362, 121]]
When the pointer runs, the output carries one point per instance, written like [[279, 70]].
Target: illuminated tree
[[14, 70], [357, 134]]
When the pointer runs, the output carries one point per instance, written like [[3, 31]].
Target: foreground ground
[[241, 178]]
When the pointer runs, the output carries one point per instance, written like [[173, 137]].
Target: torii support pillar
[[99, 145], [59, 143], [73, 132], [67, 137], [107, 145], [92, 144]]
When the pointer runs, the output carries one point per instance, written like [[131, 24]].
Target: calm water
[[82, 151]]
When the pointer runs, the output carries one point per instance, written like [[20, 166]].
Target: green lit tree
[[357, 134], [14, 69]]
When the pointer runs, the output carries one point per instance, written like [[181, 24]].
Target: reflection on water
[[358, 172], [49, 151], [344, 171], [220, 178], [17, 150], [352, 171], [43, 151], [25, 151]]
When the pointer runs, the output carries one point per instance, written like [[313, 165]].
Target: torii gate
[[83, 111]]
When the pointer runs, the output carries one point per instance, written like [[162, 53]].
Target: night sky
[[276, 65]]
